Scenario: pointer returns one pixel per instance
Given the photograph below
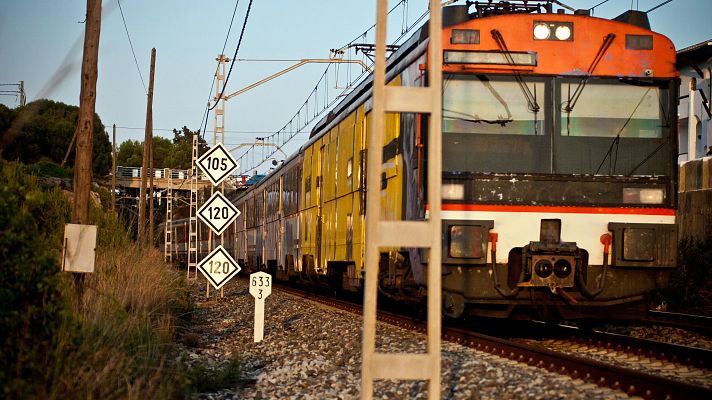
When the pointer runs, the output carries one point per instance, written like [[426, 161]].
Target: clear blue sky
[[38, 37]]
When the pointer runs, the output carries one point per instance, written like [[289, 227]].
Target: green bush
[[47, 167], [31, 305], [115, 339]]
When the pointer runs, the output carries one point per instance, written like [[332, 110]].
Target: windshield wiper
[[572, 99], [648, 157], [532, 104], [475, 119]]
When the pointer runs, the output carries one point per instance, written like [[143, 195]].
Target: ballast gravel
[[310, 351]]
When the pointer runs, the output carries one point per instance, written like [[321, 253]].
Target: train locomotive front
[[560, 149]]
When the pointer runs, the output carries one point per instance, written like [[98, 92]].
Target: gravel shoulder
[[313, 352]]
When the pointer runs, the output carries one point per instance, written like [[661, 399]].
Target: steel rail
[[632, 382]]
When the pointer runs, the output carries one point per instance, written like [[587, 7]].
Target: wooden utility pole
[[113, 172], [87, 101], [150, 236], [146, 150], [23, 99]]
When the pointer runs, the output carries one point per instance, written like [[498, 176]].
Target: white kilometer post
[[260, 288]]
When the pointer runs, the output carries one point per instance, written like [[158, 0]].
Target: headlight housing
[[465, 241], [643, 195], [549, 30]]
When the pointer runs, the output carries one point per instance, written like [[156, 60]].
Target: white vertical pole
[[692, 123], [259, 330]]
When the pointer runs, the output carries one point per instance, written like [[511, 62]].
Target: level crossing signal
[[217, 163]]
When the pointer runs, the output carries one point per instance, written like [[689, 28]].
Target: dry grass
[[128, 317]]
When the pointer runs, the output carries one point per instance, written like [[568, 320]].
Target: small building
[[695, 62]]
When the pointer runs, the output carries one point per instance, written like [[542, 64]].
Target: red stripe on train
[[559, 209]]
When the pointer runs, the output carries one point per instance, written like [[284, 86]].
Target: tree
[[176, 153], [43, 129], [182, 153], [130, 154], [162, 149]]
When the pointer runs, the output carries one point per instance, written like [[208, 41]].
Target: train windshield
[[494, 124], [610, 110], [613, 127], [484, 105], [559, 125]]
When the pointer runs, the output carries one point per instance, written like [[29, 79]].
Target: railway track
[[618, 376], [678, 362], [686, 321]]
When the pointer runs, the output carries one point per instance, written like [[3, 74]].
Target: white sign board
[[79, 249], [218, 213], [260, 288], [217, 163], [218, 267]]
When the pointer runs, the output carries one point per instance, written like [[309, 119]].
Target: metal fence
[[135, 172]]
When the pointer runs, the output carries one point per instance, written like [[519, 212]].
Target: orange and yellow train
[[559, 171]]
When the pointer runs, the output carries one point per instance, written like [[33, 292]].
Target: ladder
[[168, 235], [193, 218], [422, 234]]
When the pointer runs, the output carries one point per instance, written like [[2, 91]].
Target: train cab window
[[495, 124], [613, 127], [484, 105], [610, 110]]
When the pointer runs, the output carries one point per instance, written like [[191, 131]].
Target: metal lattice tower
[[193, 219], [219, 133], [168, 235], [421, 234]]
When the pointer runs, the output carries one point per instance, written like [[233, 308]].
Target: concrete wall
[[695, 199]]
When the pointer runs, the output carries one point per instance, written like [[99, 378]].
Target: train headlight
[[562, 268], [453, 191], [543, 268], [562, 32], [546, 30], [643, 196], [542, 31]]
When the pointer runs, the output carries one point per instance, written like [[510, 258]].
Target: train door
[[261, 228], [280, 222], [323, 151]]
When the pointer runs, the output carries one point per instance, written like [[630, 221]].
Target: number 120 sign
[[218, 267]]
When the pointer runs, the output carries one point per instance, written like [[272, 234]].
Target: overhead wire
[[328, 104], [132, 49], [204, 119], [237, 49], [658, 6], [603, 2]]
